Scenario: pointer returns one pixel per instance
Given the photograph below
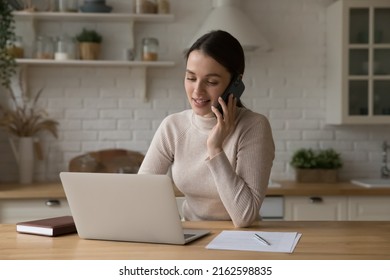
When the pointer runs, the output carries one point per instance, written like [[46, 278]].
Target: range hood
[[227, 16]]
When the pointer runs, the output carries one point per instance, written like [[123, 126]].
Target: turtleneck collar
[[203, 124]]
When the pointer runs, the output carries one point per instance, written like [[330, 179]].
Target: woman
[[220, 162]]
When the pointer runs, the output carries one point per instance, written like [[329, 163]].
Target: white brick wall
[[101, 108]]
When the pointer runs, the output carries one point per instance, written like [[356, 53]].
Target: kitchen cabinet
[[293, 201], [375, 208], [358, 62], [23, 202], [28, 24], [18, 210], [315, 208], [337, 208]]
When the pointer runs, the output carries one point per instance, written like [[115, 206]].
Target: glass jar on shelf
[[149, 49], [163, 6], [145, 6], [68, 6], [15, 47], [65, 48], [44, 47]]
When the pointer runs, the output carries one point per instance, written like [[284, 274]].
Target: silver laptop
[[126, 207]]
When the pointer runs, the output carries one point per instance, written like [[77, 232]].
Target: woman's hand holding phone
[[225, 125], [235, 87], [225, 112]]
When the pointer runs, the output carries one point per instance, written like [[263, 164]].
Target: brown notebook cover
[[48, 227]]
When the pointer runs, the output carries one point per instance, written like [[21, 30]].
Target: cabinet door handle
[[316, 199], [53, 202]]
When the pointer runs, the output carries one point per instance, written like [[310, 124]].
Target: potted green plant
[[89, 44], [7, 34], [316, 166]]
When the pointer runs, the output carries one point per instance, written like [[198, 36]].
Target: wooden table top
[[320, 241]]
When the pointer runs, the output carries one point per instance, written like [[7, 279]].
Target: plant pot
[[89, 51], [316, 175]]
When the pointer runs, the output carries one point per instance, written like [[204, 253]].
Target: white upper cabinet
[[358, 62]]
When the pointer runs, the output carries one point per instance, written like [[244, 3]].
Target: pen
[[261, 239]]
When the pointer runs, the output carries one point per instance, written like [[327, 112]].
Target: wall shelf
[[77, 62], [139, 67], [110, 17], [28, 21]]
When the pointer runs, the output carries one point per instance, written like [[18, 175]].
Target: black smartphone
[[236, 87]]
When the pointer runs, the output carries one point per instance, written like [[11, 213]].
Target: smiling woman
[[221, 162], [205, 80]]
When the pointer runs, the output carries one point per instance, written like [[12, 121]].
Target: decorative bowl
[[95, 8], [100, 2]]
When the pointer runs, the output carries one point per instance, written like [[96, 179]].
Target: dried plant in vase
[[24, 119]]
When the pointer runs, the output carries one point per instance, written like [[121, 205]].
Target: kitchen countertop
[[287, 188], [35, 190]]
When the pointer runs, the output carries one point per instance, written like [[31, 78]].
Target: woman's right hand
[[225, 125]]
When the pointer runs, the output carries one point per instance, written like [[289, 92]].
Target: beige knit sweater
[[231, 185]]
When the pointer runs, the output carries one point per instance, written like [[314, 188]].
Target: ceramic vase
[[23, 149]]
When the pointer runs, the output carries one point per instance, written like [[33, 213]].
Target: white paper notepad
[[282, 242]]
